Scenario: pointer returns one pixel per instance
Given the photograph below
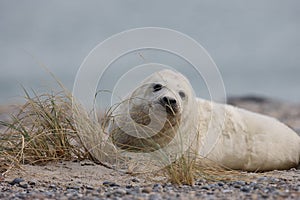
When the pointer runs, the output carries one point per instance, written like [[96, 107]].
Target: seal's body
[[164, 106], [247, 140]]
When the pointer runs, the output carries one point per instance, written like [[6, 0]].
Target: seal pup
[[164, 105]]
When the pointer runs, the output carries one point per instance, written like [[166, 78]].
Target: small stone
[[227, 191], [25, 186], [240, 182], [274, 180], [88, 187], [220, 184], [99, 190], [136, 190], [87, 163], [168, 184], [256, 186], [43, 184], [252, 184], [32, 183], [21, 195], [52, 186], [155, 197], [283, 194], [1, 177], [245, 189], [264, 195], [129, 191], [261, 179], [49, 194], [120, 192], [205, 187], [69, 195], [16, 181], [110, 184], [157, 187], [135, 180], [73, 187], [147, 190]]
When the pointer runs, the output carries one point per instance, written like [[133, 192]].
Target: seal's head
[[149, 118]]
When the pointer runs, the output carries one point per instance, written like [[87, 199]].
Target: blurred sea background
[[255, 44]]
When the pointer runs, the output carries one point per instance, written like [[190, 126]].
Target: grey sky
[[256, 44]]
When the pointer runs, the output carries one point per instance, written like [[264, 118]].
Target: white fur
[[248, 141]]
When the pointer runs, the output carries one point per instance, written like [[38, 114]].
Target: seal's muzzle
[[170, 104]]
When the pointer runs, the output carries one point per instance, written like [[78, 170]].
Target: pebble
[[120, 192], [157, 187], [240, 182], [155, 197], [110, 184], [32, 183], [147, 190], [87, 163], [135, 180], [74, 187], [220, 184], [206, 187], [245, 189], [25, 186], [88, 187], [16, 181], [261, 179], [52, 186]]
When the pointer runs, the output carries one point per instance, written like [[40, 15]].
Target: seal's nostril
[[169, 100], [172, 101], [165, 100]]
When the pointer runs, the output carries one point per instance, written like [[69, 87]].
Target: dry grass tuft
[[188, 169], [42, 131], [182, 171]]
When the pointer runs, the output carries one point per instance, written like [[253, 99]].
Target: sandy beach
[[87, 180]]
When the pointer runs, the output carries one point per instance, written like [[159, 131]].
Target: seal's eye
[[157, 87], [182, 94]]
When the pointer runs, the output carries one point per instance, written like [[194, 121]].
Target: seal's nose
[[170, 104], [169, 101]]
